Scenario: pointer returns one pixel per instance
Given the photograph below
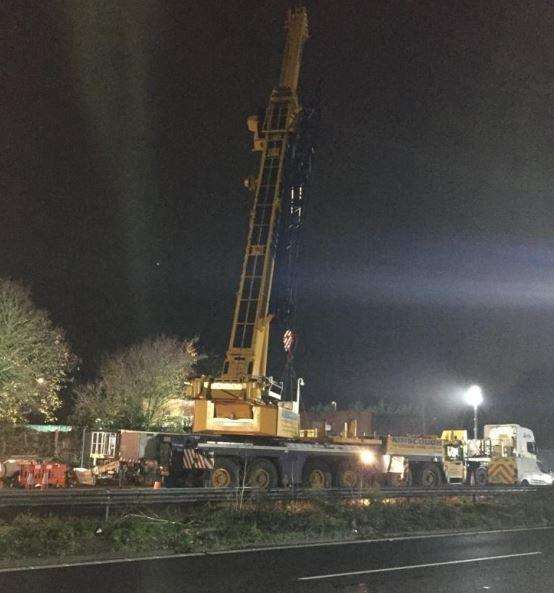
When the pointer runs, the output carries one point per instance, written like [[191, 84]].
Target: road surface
[[510, 561]]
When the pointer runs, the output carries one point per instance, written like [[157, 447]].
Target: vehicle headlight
[[367, 457]]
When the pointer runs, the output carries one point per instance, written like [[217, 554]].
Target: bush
[[36, 537], [140, 534]]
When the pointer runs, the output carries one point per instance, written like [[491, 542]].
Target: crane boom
[[244, 401], [297, 33], [248, 345]]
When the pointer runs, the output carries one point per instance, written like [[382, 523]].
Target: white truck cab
[[513, 456]]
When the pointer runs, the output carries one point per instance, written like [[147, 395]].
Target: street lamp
[[474, 397]]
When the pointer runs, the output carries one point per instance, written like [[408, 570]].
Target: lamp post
[[474, 397], [299, 383], [296, 404]]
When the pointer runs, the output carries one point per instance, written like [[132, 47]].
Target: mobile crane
[[246, 424]]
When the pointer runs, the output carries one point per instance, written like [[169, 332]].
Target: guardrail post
[[107, 510]]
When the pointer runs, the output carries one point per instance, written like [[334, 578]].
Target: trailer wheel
[[430, 476], [317, 475], [349, 477], [225, 473], [481, 477], [263, 475]]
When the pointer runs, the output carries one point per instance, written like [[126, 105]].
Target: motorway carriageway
[[500, 561]]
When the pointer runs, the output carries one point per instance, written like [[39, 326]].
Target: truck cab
[[513, 453]]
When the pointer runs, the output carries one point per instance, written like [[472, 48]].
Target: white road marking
[[413, 566], [378, 540], [352, 542]]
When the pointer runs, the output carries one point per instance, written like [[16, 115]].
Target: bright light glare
[[367, 457], [474, 395]]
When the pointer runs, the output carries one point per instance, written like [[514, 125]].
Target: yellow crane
[[244, 400]]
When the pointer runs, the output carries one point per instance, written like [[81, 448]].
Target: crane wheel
[[349, 477], [225, 473], [262, 475], [430, 476], [317, 475]]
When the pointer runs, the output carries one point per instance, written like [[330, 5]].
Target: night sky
[[429, 245]]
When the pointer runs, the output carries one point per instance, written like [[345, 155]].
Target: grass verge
[[208, 528]]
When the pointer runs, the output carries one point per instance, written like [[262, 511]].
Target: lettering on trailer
[[232, 421]]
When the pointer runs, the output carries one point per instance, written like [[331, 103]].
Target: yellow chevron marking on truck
[[502, 471]]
